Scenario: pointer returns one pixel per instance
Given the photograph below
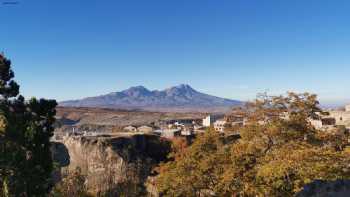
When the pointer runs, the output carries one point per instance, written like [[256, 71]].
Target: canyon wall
[[112, 164]]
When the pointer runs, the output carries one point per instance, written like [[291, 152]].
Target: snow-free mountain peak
[[177, 98]]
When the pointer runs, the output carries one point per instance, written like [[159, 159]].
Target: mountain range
[[179, 98]]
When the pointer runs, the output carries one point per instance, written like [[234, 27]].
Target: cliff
[[112, 164]]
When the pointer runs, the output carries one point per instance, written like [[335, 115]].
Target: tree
[[278, 153], [25, 131], [196, 169]]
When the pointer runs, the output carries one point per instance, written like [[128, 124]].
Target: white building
[[219, 125], [187, 131], [209, 120], [323, 123], [130, 129], [316, 123], [347, 108], [145, 129], [170, 133]]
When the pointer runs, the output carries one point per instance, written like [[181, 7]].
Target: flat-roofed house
[[130, 128], [323, 123], [171, 133], [209, 120], [347, 108], [187, 130], [219, 125], [145, 129]]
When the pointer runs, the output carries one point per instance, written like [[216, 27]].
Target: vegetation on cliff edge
[[278, 152]]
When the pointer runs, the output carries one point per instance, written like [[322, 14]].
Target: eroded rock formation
[[112, 164]]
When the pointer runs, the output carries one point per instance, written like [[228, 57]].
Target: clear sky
[[67, 49]]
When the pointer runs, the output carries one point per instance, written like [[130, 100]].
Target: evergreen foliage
[[25, 130]]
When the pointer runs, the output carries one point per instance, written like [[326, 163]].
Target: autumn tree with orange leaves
[[278, 152]]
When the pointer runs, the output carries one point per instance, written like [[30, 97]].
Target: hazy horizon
[[234, 50]]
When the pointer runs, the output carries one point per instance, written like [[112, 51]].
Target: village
[[222, 123], [229, 123]]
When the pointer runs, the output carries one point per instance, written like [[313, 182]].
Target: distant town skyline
[[232, 49]]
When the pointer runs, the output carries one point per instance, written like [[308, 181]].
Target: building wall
[[219, 125], [341, 117], [207, 121], [170, 133], [347, 108], [316, 123]]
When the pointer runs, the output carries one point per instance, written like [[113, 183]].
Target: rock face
[[338, 188], [113, 165], [178, 98]]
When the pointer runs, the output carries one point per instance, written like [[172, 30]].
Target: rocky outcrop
[[113, 164], [319, 188]]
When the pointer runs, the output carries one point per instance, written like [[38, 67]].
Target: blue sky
[[71, 49]]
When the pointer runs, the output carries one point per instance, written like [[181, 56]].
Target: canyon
[[112, 164]]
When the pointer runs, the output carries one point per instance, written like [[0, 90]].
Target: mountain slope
[[178, 98]]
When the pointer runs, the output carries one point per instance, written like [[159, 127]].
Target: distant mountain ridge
[[178, 98]]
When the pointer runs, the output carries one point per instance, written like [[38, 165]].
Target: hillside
[[179, 98], [114, 117]]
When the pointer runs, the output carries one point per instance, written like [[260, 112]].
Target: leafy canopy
[[278, 152]]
